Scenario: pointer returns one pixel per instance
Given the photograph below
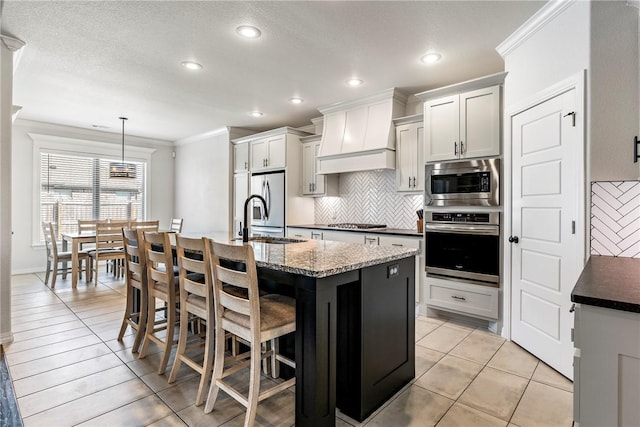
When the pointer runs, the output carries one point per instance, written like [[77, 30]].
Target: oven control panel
[[465, 217]]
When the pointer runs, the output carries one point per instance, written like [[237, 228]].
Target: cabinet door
[[343, 236], [241, 157], [258, 154], [442, 129], [409, 157], [304, 233], [317, 180], [277, 152], [308, 167], [480, 123], [240, 193]]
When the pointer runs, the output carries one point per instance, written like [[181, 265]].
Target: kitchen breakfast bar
[[354, 339]]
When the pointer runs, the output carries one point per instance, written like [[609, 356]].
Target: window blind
[[76, 187]]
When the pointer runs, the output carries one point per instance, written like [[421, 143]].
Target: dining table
[[76, 240]]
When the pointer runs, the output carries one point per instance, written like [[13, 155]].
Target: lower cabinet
[[606, 387], [464, 298]]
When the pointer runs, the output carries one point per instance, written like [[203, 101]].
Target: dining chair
[[136, 282], [256, 319], [161, 285], [196, 301], [55, 257], [176, 225], [109, 245]]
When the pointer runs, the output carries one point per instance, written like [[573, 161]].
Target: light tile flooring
[[68, 369]]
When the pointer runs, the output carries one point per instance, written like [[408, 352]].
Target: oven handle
[[485, 230]]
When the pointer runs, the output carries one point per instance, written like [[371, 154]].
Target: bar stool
[[136, 281], [55, 257], [196, 300], [254, 319], [161, 285]]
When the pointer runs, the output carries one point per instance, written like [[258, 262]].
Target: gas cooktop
[[356, 225]]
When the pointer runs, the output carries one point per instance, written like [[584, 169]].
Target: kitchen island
[[355, 314]]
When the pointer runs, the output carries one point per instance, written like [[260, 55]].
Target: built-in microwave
[[463, 183]]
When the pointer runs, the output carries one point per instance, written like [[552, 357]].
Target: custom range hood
[[359, 135]]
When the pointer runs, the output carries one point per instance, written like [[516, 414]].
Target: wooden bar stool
[[196, 300], [161, 285], [55, 257], [109, 244], [254, 319], [136, 281]]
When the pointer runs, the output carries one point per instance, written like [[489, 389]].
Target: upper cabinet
[[268, 153], [241, 157], [410, 153], [463, 121], [312, 183]]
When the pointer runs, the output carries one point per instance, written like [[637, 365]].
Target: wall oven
[[463, 183], [463, 246]]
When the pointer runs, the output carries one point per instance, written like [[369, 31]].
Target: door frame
[[577, 82]]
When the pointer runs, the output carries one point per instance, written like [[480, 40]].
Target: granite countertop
[[393, 231], [316, 258], [610, 282]]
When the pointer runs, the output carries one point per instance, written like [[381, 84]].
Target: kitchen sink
[[275, 240]]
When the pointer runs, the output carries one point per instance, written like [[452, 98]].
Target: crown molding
[[384, 95], [479, 83], [541, 18]]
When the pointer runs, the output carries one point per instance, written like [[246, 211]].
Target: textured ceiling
[[89, 62]]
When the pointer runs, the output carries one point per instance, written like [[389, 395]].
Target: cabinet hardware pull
[[313, 186], [636, 156], [414, 182], [461, 148], [298, 235], [456, 297], [397, 244], [455, 148], [573, 308], [246, 165], [409, 182]]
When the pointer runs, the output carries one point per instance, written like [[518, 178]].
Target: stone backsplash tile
[[615, 218], [369, 197]]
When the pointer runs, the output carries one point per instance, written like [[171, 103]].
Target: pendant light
[[122, 169]]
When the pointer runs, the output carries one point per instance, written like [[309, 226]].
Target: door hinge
[[573, 117]]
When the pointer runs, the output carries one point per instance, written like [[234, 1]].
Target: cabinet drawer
[[474, 300], [399, 241]]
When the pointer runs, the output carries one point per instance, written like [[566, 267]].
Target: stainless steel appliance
[[271, 186], [463, 183], [463, 246]]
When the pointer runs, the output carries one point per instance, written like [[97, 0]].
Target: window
[[75, 187]]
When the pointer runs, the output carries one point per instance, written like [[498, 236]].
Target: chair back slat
[[248, 279], [186, 249], [145, 225], [135, 261], [176, 225], [109, 235], [89, 225], [159, 257]]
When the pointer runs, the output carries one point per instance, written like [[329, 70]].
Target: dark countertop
[[610, 282], [391, 231]]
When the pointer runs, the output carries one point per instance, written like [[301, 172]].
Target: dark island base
[[354, 340]]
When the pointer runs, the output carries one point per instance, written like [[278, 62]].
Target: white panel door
[[547, 258]]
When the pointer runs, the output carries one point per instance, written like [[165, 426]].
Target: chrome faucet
[[245, 230]]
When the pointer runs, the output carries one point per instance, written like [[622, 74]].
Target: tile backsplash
[[615, 218], [369, 197]]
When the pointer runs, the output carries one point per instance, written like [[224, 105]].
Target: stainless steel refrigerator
[[271, 187]]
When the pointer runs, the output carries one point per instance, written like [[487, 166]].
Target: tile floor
[[68, 369]]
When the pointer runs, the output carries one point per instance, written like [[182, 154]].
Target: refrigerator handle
[[268, 200]]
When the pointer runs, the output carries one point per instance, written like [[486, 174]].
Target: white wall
[[29, 258], [202, 185]]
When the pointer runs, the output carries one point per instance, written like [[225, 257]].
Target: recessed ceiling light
[[296, 100], [430, 58], [256, 114], [249, 32], [354, 82], [190, 65]]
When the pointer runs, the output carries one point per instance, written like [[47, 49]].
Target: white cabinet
[[410, 153], [240, 193], [313, 184], [463, 126], [606, 367], [268, 153], [464, 298], [241, 157]]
